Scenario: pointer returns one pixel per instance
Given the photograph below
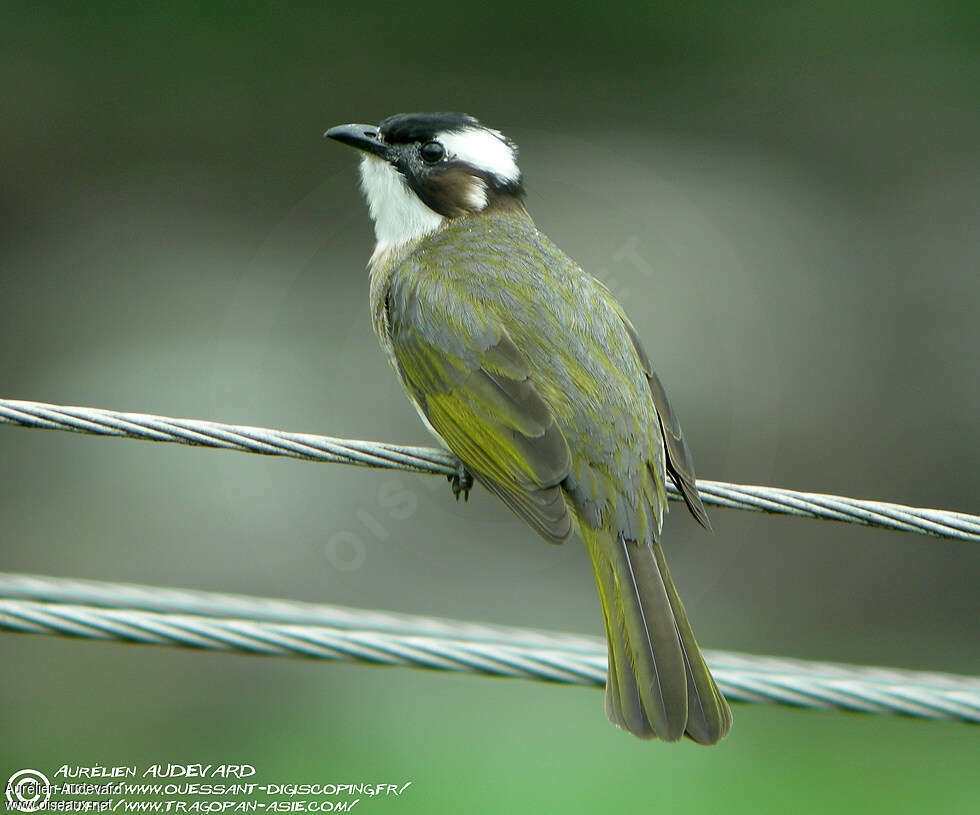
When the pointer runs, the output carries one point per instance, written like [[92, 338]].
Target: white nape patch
[[398, 214], [484, 149], [476, 195]]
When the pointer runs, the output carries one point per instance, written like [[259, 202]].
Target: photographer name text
[[157, 771]]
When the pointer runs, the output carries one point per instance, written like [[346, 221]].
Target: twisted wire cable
[[42, 588], [104, 594], [742, 678], [265, 441]]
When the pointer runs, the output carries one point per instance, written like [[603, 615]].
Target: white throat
[[398, 214]]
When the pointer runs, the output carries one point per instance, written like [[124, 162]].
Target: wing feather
[[680, 466], [474, 386]]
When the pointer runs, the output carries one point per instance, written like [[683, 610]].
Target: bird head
[[419, 170]]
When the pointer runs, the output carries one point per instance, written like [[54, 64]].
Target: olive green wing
[[473, 385], [680, 466]]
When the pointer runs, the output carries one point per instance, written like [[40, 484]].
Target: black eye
[[432, 151]]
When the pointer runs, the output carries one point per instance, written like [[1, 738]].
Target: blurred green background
[[784, 195]]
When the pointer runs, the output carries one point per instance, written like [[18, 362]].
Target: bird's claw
[[462, 482]]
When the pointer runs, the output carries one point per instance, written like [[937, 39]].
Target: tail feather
[[708, 716], [623, 705], [651, 637], [646, 692], [658, 684]]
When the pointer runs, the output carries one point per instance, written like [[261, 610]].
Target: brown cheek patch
[[448, 191]]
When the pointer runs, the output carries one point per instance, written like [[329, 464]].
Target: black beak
[[361, 137]]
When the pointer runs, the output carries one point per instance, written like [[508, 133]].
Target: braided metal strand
[[936, 522], [741, 679], [43, 588], [196, 432]]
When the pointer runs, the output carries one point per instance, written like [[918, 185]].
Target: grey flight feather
[[679, 463]]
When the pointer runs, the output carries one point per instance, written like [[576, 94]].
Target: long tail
[[658, 684]]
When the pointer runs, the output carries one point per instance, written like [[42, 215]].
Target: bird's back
[[580, 350]]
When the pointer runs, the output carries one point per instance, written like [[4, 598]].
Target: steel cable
[[265, 441], [528, 655]]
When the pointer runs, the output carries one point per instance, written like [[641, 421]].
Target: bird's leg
[[462, 481]]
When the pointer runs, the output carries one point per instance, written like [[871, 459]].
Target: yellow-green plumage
[[530, 372]]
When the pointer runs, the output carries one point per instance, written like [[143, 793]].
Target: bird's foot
[[462, 481]]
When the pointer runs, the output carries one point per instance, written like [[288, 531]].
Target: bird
[[530, 373]]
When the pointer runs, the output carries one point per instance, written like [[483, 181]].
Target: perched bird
[[527, 369]]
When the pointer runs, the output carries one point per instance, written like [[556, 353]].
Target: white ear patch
[[484, 149], [476, 195], [398, 214]]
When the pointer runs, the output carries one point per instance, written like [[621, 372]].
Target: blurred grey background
[[783, 195]]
